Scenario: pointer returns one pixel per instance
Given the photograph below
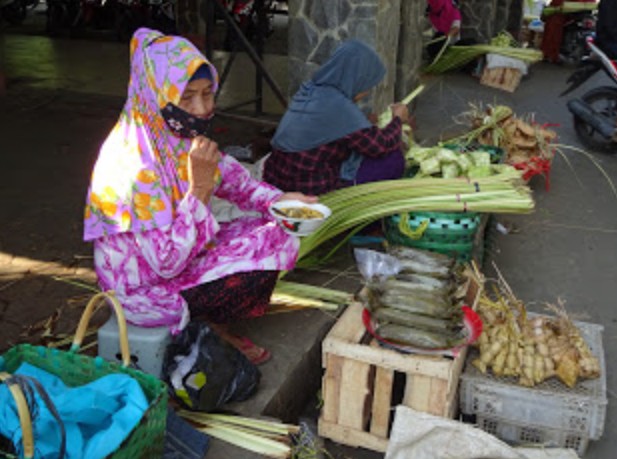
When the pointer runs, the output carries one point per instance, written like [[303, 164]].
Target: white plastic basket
[[525, 435], [551, 409]]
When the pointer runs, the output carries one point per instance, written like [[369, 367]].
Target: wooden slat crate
[[362, 380], [505, 78]]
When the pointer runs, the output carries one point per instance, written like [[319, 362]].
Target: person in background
[[606, 27], [445, 18], [553, 32], [324, 141], [157, 244]]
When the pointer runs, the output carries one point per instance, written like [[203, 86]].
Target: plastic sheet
[[424, 436]]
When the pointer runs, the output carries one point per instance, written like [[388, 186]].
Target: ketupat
[[446, 163], [520, 137], [536, 348]]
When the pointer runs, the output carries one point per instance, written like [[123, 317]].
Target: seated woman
[[156, 242], [324, 141]]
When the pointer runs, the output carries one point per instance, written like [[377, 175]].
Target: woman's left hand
[[298, 197]]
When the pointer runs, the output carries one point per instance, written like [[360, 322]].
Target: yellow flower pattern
[[136, 153], [147, 176], [126, 220]]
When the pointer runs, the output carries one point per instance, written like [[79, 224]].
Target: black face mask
[[183, 124]]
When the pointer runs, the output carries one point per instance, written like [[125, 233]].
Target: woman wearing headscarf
[[156, 241], [324, 141]]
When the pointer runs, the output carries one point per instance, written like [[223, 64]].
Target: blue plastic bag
[[96, 417]]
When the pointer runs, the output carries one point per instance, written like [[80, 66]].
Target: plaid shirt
[[318, 171]]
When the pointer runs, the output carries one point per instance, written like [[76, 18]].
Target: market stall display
[[454, 234], [364, 381], [535, 378], [419, 308], [531, 348], [528, 145]]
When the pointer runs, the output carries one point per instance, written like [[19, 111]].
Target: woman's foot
[[256, 354]]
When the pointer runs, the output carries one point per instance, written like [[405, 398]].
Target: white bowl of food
[[299, 218]]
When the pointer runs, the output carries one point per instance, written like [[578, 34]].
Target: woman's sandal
[[257, 355]]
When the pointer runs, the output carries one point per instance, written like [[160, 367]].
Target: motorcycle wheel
[[603, 100]]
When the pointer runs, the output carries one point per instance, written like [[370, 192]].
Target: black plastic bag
[[204, 372]]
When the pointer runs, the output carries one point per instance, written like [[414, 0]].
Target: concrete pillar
[[409, 59], [515, 17], [189, 21], [478, 19], [316, 27], [502, 11], [2, 67]]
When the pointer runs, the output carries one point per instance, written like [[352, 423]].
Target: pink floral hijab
[[141, 174]]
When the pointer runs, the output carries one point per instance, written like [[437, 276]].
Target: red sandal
[[257, 355]]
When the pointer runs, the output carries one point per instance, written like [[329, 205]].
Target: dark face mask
[[183, 124]]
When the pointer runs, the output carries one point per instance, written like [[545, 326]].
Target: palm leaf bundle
[[355, 207], [457, 56]]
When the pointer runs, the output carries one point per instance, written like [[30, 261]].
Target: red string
[[536, 166]]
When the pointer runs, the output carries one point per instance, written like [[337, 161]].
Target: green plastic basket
[[147, 440], [448, 233]]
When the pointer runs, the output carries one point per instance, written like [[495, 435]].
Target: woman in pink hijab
[[156, 241], [446, 20]]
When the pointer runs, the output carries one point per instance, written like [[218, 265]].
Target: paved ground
[[65, 95]]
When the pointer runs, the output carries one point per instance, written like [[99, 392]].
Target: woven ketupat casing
[[147, 439], [549, 414]]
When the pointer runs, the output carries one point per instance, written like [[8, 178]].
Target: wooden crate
[[361, 378], [505, 78]]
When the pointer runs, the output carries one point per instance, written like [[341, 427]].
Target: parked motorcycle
[[74, 15], [247, 16], [576, 30], [133, 14], [595, 112]]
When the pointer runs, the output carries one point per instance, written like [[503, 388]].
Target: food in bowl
[[299, 212], [299, 218]]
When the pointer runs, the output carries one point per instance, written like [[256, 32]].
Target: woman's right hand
[[401, 111], [204, 157], [454, 31]]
